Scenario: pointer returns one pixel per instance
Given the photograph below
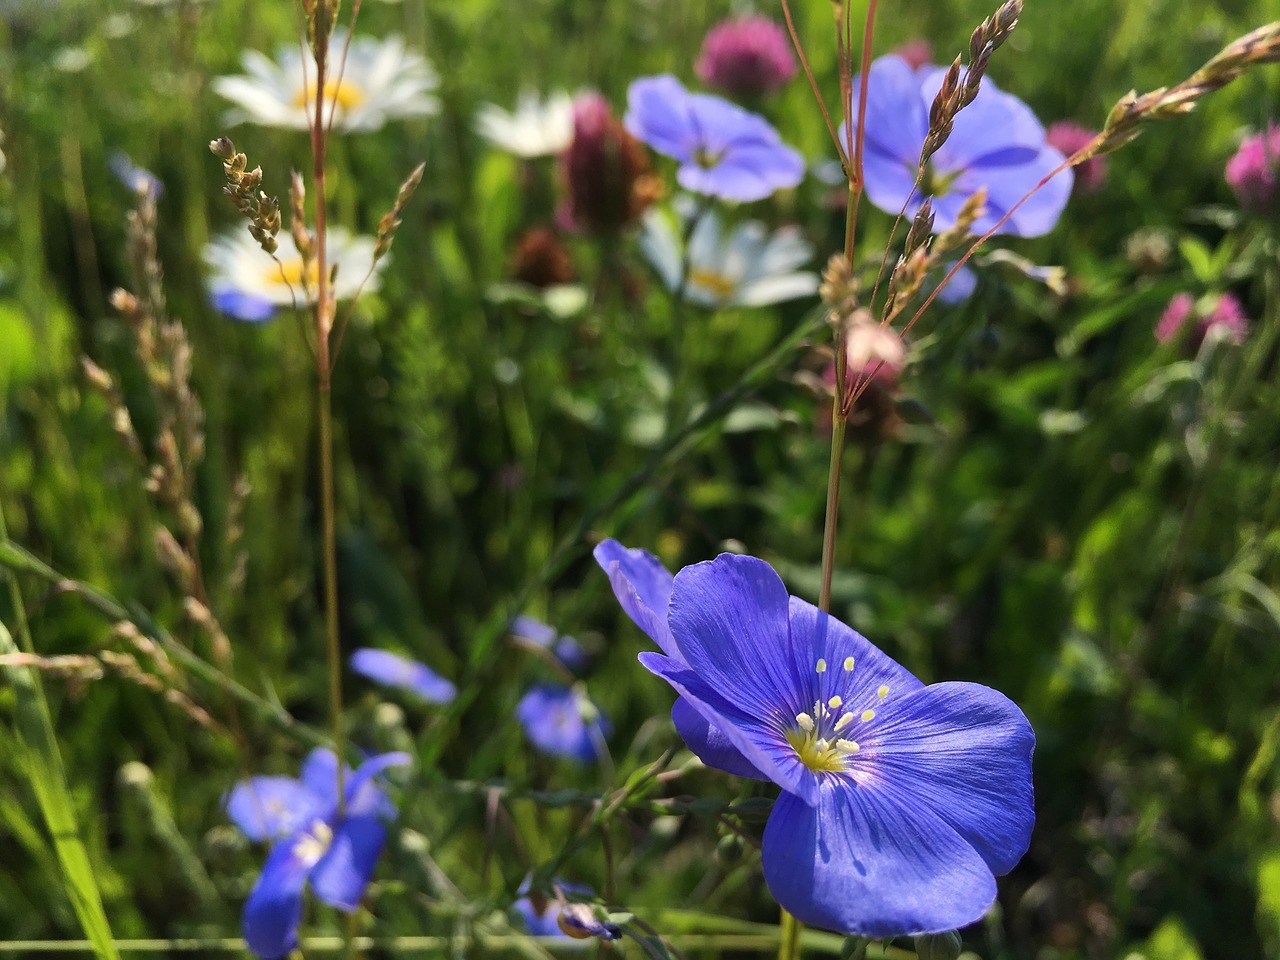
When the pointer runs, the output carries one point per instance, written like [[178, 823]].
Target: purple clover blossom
[[723, 150], [1068, 137], [1253, 171], [563, 722], [311, 842], [901, 803], [996, 143], [746, 57], [392, 670], [566, 649], [1226, 318]]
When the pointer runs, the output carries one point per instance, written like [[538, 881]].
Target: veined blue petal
[[871, 863], [385, 667], [344, 871], [709, 743], [643, 587], [963, 750], [274, 907], [897, 116], [757, 735], [268, 808], [729, 617]]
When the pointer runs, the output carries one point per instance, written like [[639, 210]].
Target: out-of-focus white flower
[[536, 128], [248, 284], [750, 267], [382, 80]]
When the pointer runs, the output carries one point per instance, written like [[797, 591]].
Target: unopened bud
[[939, 946]]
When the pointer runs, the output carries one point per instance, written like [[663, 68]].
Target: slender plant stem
[[324, 368], [677, 400]]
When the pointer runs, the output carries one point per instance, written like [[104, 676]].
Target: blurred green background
[[1073, 514]]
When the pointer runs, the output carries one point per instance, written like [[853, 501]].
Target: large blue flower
[[311, 842], [901, 802], [724, 151], [996, 143]]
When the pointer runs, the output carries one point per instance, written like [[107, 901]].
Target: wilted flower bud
[[579, 920], [746, 57], [606, 169], [939, 946], [541, 259]]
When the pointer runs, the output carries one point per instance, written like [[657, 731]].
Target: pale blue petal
[[643, 587], [870, 862], [897, 115], [320, 774], [964, 751], [242, 306], [388, 668], [658, 114], [267, 808], [363, 795]]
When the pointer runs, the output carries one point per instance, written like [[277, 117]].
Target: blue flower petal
[[268, 808], [755, 733], [320, 774], [890, 181], [342, 874], [746, 174], [869, 861], [709, 744], [274, 907], [533, 630], [242, 306], [897, 116], [1041, 211], [643, 587], [544, 924], [729, 617], [385, 667], [994, 121], [963, 750], [363, 796], [657, 113]]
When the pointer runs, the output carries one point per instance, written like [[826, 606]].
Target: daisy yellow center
[[342, 93], [289, 273], [313, 844], [716, 283], [823, 737]]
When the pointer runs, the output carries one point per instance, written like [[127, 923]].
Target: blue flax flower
[[561, 721], [996, 143], [567, 649], [546, 917], [392, 670], [311, 842], [724, 151], [901, 803]]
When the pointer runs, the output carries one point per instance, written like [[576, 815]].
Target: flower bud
[[939, 946]]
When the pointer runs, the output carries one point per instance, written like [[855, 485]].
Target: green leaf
[[43, 764]]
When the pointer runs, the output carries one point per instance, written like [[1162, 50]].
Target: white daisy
[[249, 285], [749, 268], [534, 129], [382, 80]]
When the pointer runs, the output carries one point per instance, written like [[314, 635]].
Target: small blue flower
[[724, 151], [561, 721], [901, 803], [996, 143], [541, 914], [134, 177], [579, 921], [387, 668], [311, 842], [568, 650]]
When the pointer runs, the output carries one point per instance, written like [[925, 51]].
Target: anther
[[848, 664], [804, 722], [882, 692], [868, 715], [822, 666], [847, 746], [835, 702], [844, 721]]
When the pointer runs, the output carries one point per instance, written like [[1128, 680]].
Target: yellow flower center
[[821, 737], [311, 846], [715, 283], [289, 273], [344, 94]]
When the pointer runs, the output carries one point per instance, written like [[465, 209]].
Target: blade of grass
[[44, 768]]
